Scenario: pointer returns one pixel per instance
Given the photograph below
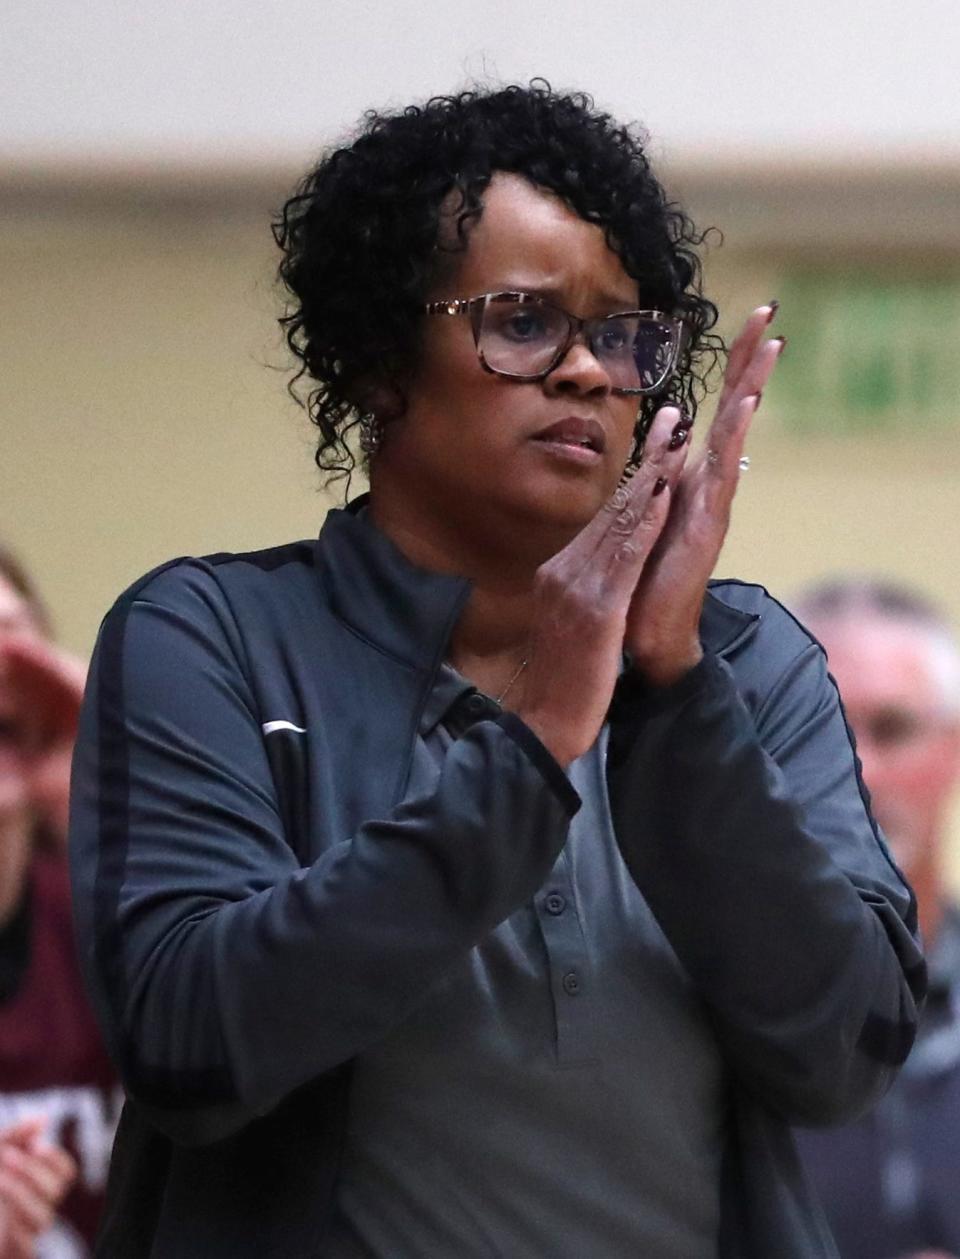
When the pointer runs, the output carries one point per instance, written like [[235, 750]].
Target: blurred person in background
[[891, 1181], [58, 1092], [472, 879]]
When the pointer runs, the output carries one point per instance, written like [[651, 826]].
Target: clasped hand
[[34, 1176], [635, 577]]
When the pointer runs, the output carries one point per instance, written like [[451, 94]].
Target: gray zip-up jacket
[[256, 903]]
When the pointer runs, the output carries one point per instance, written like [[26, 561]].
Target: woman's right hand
[[583, 596]]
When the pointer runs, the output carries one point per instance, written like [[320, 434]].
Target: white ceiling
[[195, 81]]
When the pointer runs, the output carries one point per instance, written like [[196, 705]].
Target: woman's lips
[[574, 437]]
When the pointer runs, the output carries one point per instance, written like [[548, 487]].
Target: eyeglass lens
[[524, 338]]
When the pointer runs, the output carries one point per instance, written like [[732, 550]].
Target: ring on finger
[[713, 457], [743, 463], [625, 522], [619, 499]]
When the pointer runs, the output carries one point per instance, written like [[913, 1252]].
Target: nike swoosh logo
[[269, 727]]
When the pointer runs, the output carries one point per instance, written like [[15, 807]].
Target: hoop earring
[[371, 435]]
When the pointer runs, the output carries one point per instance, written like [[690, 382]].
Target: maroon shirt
[[52, 1060]]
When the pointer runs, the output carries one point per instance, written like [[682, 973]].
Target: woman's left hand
[[662, 634]]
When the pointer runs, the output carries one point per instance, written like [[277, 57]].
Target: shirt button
[[555, 903], [571, 983]]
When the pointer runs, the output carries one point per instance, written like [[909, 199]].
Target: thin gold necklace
[[520, 668]]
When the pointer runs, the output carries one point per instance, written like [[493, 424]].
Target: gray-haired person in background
[[889, 1181]]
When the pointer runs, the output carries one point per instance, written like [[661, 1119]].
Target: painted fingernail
[[680, 435], [681, 426], [783, 344], [757, 399], [660, 486], [774, 307]]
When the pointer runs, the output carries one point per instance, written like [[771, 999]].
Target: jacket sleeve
[[225, 974], [747, 829]]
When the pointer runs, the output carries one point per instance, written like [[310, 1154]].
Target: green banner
[[867, 352]]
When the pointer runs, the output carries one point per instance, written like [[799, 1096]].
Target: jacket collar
[[405, 611], [722, 628], [409, 612]]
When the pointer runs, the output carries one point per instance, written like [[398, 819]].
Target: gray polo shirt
[[559, 1095]]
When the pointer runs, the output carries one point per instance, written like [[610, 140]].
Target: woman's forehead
[[529, 238]]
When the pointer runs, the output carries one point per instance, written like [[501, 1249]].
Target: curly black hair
[[361, 243]]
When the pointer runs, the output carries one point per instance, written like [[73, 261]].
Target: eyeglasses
[[524, 337]]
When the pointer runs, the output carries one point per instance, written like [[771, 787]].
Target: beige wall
[[141, 416]]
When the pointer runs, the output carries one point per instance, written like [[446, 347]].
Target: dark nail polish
[[681, 426], [661, 485], [680, 435], [774, 307], [757, 399], [783, 344]]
